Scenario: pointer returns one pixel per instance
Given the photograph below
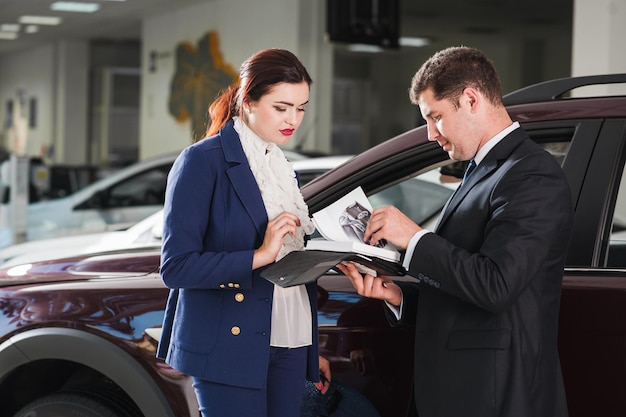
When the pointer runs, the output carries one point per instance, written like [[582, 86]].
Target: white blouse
[[291, 311]]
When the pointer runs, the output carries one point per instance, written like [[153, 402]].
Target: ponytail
[[222, 110]]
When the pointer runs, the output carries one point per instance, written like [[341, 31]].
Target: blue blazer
[[218, 315]]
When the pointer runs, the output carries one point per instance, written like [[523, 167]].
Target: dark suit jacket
[[218, 316], [486, 320]]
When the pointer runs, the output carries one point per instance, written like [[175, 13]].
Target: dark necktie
[[470, 167]]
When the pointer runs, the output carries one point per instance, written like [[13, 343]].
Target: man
[[490, 274]]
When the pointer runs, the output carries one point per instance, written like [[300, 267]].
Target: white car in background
[[115, 202], [147, 233]]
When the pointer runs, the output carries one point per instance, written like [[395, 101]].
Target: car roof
[[559, 88]]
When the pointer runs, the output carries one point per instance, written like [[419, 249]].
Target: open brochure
[[342, 224]]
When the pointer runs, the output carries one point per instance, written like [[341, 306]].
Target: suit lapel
[[242, 179], [490, 163]]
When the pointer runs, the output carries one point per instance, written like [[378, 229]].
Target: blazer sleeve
[[208, 238]]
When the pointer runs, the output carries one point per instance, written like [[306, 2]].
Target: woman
[[232, 207]]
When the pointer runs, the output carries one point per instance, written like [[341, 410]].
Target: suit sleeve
[[410, 298], [502, 237]]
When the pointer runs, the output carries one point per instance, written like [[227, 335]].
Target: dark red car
[[81, 333]]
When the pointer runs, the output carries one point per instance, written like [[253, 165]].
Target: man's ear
[[471, 97]]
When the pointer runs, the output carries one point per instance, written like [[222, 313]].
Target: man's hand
[[382, 288], [390, 224]]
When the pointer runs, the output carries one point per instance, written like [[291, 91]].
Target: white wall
[[71, 102], [598, 48], [32, 71], [276, 24], [55, 75]]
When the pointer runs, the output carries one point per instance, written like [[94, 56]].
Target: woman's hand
[[325, 375], [275, 232]]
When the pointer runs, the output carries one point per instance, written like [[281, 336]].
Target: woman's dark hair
[[257, 76], [451, 70]]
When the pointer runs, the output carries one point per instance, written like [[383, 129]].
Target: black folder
[[302, 267]]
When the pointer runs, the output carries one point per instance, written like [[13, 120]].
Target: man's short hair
[[449, 71]]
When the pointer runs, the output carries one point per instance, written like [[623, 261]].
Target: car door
[[592, 329], [368, 352]]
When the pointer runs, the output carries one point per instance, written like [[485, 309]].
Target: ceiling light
[[9, 27], [8, 35], [414, 42], [74, 6], [31, 29], [39, 20]]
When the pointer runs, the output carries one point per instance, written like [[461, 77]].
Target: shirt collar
[[484, 150]]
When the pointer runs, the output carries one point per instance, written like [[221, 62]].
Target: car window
[[431, 192], [617, 242], [423, 197], [435, 187], [557, 149], [304, 177], [147, 188]]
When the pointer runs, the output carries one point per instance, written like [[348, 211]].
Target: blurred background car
[[145, 234], [116, 201]]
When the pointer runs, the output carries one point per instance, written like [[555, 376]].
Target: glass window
[[617, 242], [304, 177], [557, 149], [423, 197], [433, 189], [148, 188]]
